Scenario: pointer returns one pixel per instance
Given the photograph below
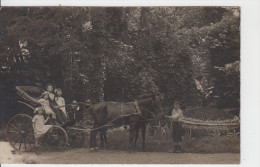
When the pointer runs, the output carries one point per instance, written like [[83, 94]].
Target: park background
[[190, 54]]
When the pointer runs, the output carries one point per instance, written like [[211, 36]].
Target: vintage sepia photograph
[[120, 85]]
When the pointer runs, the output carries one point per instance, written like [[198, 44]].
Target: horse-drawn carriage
[[20, 133], [136, 114]]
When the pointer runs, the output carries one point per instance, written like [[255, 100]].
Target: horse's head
[[150, 104]]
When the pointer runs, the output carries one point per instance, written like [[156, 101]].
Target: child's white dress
[[39, 128], [61, 102], [46, 106]]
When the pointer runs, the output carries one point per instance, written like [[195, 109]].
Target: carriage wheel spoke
[[29, 131], [13, 132], [24, 123], [28, 127], [29, 138], [28, 144], [13, 137], [16, 138], [30, 134], [13, 143], [15, 121], [24, 144], [14, 127], [20, 144]]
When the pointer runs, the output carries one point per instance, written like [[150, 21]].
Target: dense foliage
[[119, 53]]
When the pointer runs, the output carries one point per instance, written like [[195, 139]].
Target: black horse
[[133, 114]]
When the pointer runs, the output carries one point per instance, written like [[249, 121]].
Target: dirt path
[[83, 156]]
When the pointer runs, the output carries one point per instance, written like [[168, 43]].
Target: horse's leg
[[131, 138], [101, 134], [105, 139], [143, 136], [93, 139], [136, 135]]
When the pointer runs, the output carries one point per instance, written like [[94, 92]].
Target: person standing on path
[[177, 130], [39, 126]]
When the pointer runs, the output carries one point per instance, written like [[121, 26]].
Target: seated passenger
[[60, 107], [73, 112], [50, 93], [60, 101], [60, 115], [44, 101]]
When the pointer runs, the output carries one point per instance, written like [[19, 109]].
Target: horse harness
[[137, 108]]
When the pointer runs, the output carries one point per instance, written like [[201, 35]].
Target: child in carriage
[[50, 93], [60, 107], [60, 114], [39, 126], [60, 101], [44, 101]]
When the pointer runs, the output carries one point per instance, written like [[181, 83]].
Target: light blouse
[[177, 114], [61, 102]]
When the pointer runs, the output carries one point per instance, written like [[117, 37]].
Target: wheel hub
[[22, 133]]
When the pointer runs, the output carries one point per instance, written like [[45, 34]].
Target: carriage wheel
[[162, 129], [55, 138], [150, 130], [76, 138], [20, 132]]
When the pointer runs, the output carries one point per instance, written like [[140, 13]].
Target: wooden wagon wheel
[[20, 132], [76, 137], [160, 129], [151, 129], [55, 138]]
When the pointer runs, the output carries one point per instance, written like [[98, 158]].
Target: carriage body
[[20, 133]]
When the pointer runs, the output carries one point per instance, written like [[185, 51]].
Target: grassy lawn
[[210, 143]]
